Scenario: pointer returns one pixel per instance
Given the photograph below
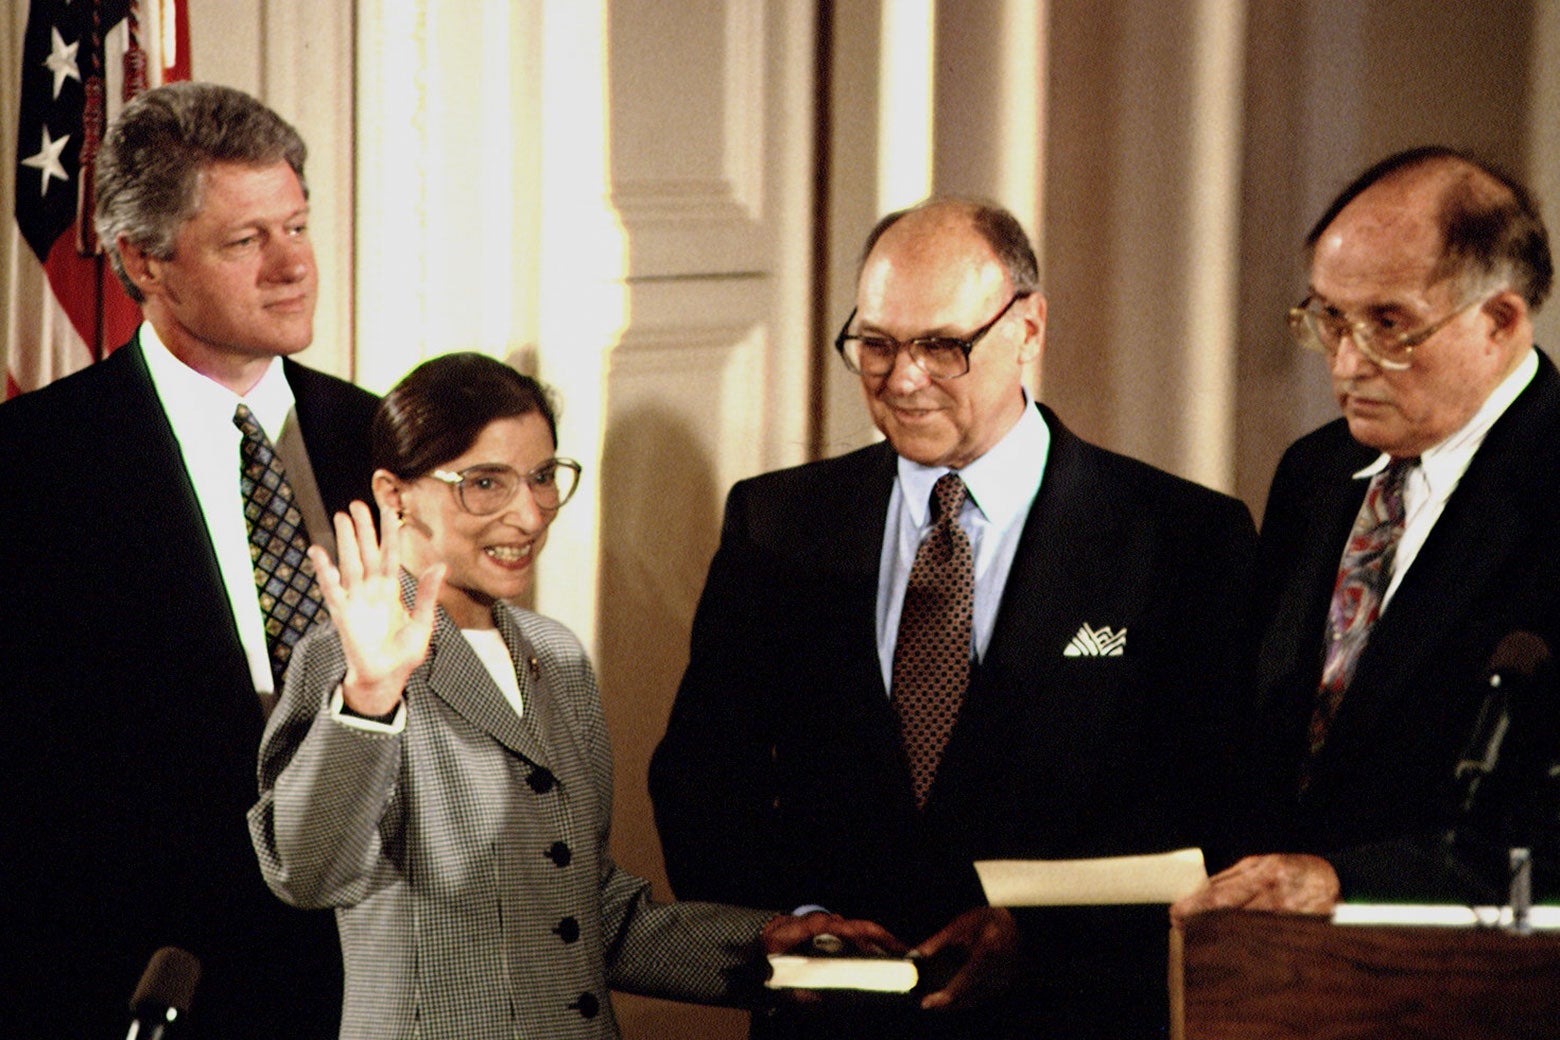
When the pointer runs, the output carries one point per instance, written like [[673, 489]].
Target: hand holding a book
[[789, 933], [985, 940]]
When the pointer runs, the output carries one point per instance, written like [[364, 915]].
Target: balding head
[[1488, 230], [948, 268], [1429, 261], [995, 226]]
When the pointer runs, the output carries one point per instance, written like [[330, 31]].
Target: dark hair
[[1490, 225], [149, 165], [999, 228], [439, 409]]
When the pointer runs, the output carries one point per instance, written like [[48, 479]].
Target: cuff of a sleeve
[[388, 725]]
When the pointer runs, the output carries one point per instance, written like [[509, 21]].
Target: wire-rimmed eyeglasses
[[1320, 328]]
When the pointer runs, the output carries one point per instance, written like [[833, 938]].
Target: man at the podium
[[1410, 551]]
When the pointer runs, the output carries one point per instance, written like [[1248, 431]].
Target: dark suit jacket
[[781, 779], [1491, 566], [132, 724]]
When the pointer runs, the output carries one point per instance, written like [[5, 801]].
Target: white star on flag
[[76, 64], [48, 160], [62, 61]]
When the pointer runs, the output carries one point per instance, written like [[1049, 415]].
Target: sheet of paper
[[1161, 878], [1542, 918]]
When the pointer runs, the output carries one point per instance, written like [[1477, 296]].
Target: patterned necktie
[[1363, 576], [290, 599], [932, 657]]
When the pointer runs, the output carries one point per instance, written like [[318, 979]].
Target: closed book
[[867, 974]]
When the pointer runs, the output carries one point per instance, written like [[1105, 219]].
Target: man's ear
[[1033, 317], [1508, 313], [144, 270]]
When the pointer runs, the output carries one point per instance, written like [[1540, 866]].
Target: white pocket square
[[1097, 642]]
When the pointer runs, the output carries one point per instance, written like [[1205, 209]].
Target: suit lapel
[[537, 721], [834, 550], [132, 409], [1064, 573], [1486, 523], [1054, 582], [848, 547], [174, 544], [334, 419], [1310, 572], [456, 675]]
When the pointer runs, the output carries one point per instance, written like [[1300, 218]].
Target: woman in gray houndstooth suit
[[438, 769]]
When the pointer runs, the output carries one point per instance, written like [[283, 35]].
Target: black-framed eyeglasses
[[1321, 329], [484, 489], [941, 357]]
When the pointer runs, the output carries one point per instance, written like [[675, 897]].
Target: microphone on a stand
[[1512, 697], [1517, 659], [164, 993]]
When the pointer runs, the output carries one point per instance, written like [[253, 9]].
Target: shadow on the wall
[[660, 523], [660, 518]]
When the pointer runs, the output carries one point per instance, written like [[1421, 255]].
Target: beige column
[[1141, 208]]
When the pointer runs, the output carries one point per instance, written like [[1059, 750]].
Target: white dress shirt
[[1429, 484], [1002, 486], [200, 410]]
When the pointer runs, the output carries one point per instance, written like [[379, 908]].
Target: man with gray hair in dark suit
[[155, 503]]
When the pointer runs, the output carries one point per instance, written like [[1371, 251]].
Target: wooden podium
[[1244, 976]]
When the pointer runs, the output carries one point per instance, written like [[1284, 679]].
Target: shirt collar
[[1001, 483], [192, 401], [1446, 462]]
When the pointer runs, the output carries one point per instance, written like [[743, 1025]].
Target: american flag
[[80, 60]]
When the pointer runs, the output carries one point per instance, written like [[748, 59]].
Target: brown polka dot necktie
[[290, 599], [932, 656]]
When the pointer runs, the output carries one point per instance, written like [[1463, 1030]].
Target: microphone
[[1517, 659], [166, 988]]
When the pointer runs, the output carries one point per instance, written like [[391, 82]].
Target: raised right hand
[[382, 640]]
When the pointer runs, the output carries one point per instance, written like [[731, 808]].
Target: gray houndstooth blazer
[[467, 856]]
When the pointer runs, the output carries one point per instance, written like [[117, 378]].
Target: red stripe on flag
[[79, 286], [77, 281], [179, 67]]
